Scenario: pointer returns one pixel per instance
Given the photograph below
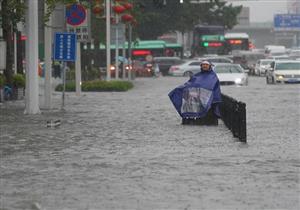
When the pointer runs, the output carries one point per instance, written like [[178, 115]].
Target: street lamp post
[[108, 57]]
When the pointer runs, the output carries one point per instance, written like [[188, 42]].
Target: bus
[[236, 41], [208, 40]]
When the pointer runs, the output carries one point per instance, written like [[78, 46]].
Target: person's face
[[205, 67]]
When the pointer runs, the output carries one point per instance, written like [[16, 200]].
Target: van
[[275, 50]]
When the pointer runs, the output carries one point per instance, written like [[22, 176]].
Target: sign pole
[[64, 50], [78, 69], [64, 86]]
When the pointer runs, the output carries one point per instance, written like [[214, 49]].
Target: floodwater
[[130, 151]]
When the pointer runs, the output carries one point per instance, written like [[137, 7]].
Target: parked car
[[283, 71], [231, 74], [164, 63], [262, 65], [188, 68]]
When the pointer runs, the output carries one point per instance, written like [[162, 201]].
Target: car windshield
[[228, 69], [288, 66], [265, 62]]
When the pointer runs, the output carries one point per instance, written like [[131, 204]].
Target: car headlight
[[238, 81], [279, 77]]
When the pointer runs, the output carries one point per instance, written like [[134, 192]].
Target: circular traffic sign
[[75, 14]]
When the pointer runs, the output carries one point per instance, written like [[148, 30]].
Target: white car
[[231, 74], [262, 65], [187, 68], [283, 71]]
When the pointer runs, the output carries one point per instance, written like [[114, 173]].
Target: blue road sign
[[65, 47], [75, 14], [287, 21]]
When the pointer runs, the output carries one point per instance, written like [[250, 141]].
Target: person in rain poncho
[[200, 94]]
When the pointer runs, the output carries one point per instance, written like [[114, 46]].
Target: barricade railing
[[233, 114]]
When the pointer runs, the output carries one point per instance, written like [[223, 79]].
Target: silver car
[[231, 74], [283, 71], [262, 65], [187, 68]]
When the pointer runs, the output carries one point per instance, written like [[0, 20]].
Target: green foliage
[[155, 20], [99, 86], [18, 80], [2, 80]]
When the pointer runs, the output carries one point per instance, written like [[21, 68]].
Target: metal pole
[[124, 65], [64, 86], [129, 50], [117, 47], [78, 69], [32, 83], [15, 52], [1, 31], [108, 60], [48, 62]]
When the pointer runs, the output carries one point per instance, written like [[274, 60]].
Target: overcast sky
[[263, 10]]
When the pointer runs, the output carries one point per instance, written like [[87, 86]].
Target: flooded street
[[129, 151]]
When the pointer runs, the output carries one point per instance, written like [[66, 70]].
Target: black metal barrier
[[233, 114]]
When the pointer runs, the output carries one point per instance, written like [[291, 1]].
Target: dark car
[[164, 63]]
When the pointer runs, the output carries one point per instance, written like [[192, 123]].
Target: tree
[[157, 19], [12, 12]]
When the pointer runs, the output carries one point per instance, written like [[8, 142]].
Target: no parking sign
[[78, 19]]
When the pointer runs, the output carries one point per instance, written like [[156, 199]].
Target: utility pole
[[108, 58], [48, 61], [32, 83]]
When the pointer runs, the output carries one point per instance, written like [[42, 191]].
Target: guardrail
[[233, 114]]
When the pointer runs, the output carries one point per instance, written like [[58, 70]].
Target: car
[[188, 68], [262, 65], [216, 59], [283, 71], [247, 59], [231, 74], [144, 68], [164, 63], [279, 57]]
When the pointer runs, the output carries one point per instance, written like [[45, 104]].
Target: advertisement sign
[[287, 22], [78, 21]]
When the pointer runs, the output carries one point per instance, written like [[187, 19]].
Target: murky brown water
[[129, 151]]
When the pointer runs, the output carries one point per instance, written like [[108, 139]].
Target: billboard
[[287, 22]]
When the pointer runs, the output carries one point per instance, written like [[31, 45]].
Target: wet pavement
[[129, 151]]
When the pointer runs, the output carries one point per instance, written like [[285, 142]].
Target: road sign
[[120, 28], [75, 14], [65, 47], [78, 21], [288, 22]]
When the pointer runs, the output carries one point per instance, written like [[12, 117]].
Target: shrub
[[98, 86], [18, 80]]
